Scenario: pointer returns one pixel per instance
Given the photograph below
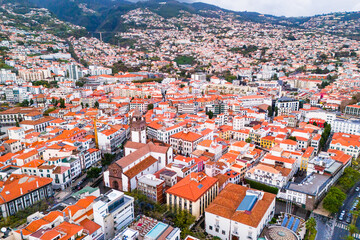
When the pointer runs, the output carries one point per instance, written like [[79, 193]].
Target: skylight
[[247, 203]]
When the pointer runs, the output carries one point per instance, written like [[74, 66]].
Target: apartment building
[[348, 143], [185, 142], [113, 211], [350, 126], [353, 109], [286, 105], [20, 191], [152, 187]]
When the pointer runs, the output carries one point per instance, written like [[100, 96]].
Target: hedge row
[[263, 187]]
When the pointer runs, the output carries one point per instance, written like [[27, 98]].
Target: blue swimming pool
[[156, 231]]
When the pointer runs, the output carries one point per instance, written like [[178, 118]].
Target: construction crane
[[96, 134]]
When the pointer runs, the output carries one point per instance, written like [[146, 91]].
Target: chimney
[[37, 184], [21, 192]]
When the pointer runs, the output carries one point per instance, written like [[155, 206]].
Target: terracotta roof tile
[[227, 202], [193, 186]]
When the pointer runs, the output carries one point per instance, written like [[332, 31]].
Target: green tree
[[276, 111], [150, 106], [46, 113], [17, 124], [210, 114], [31, 102], [84, 63], [248, 140], [310, 229], [86, 105], [348, 237], [54, 102], [270, 111], [62, 103], [107, 159], [353, 229], [348, 179], [314, 123], [183, 220], [182, 60], [334, 199], [79, 83], [96, 105], [325, 135], [24, 103], [93, 172], [292, 138]]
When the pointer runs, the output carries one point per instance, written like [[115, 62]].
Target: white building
[[73, 72], [140, 159], [268, 175], [7, 75], [110, 139], [96, 70], [329, 117], [348, 143], [244, 217], [286, 105], [113, 211], [350, 126], [199, 77], [162, 131], [17, 133]]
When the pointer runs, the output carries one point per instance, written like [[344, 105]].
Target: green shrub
[[263, 187]]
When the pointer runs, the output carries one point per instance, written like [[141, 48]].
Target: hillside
[[106, 16]]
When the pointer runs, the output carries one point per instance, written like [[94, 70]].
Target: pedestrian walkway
[[356, 235], [341, 225]]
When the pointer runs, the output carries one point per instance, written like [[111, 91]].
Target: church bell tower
[[138, 127]]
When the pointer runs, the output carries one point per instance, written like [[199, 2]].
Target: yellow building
[[225, 132], [305, 158], [267, 142]]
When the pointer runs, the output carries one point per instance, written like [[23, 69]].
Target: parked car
[[80, 182], [348, 218], [357, 189], [342, 214]]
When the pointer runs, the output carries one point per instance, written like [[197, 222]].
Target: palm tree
[[349, 238], [310, 225], [353, 229], [355, 214]]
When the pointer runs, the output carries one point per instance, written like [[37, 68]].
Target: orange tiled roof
[[193, 186], [19, 184], [226, 203], [190, 136]]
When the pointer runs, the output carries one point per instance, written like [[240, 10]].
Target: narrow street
[[340, 228]]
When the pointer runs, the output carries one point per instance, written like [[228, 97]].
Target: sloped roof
[[193, 186], [229, 199]]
